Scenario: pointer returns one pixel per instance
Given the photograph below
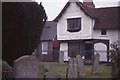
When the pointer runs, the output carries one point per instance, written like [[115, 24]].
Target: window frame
[[103, 31], [45, 50], [74, 29]]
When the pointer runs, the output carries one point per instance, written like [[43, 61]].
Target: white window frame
[[46, 50]]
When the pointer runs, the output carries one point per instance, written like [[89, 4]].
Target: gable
[[79, 5], [73, 11]]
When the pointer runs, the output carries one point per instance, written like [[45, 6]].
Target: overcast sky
[[53, 7]]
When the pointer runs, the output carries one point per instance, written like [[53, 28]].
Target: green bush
[[115, 59]]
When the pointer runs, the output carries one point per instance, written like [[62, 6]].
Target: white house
[[83, 29]]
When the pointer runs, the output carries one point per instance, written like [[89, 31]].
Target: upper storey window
[[103, 32], [73, 24]]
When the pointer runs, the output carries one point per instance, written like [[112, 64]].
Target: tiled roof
[[104, 17], [49, 31]]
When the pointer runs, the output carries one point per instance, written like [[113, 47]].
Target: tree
[[22, 24], [115, 59]]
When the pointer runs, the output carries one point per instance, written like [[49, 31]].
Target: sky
[[53, 7]]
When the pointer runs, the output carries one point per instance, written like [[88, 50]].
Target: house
[[49, 46], [86, 30]]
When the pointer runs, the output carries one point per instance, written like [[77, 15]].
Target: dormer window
[[73, 24], [103, 32]]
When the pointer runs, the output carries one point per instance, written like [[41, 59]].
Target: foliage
[[115, 58], [22, 27]]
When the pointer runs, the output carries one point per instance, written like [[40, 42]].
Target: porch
[[86, 48]]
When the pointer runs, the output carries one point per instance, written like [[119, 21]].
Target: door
[[55, 53], [88, 50]]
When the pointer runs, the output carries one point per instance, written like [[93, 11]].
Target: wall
[[48, 56], [112, 35], [74, 11]]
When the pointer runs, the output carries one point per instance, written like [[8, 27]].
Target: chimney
[[89, 3]]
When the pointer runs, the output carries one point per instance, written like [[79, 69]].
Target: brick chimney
[[89, 3]]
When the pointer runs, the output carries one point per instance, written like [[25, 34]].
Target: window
[[103, 31], [44, 47], [74, 24]]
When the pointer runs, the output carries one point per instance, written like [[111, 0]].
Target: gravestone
[[26, 67], [75, 68], [7, 71], [61, 57], [46, 68], [70, 73], [95, 64], [50, 74], [81, 67]]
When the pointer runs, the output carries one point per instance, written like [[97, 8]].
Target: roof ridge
[[73, 1]]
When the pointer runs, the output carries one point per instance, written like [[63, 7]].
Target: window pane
[[103, 32], [44, 47], [74, 24]]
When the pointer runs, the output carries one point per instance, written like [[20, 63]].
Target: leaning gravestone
[[7, 71], [70, 70], [95, 64], [50, 74], [75, 68], [61, 57], [81, 67], [46, 68], [26, 67]]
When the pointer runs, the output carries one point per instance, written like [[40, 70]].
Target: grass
[[104, 71]]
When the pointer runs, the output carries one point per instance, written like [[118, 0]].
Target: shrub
[[115, 59]]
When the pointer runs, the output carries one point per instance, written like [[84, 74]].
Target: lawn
[[103, 72]]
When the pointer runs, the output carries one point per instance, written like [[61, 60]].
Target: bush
[[115, 59]]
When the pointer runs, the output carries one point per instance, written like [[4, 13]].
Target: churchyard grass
[[104, 70]]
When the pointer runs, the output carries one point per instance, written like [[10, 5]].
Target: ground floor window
[[44, 47]]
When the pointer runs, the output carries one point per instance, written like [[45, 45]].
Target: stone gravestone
[[50, 74], [75, 68], [26, 67], [61, 57], [70, 69], [81, 67], [95, 64], [7, 71], [46, 68]]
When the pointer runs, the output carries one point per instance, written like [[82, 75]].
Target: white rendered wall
[[112, 35], [74, 11], [17, 0]]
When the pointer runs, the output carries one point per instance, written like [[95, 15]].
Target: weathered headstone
[[46, 68], [7, 71], [95, 64], [26, 67], [50, 74], [70, 69], [75, 68], [61, 57], [81, 67]]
